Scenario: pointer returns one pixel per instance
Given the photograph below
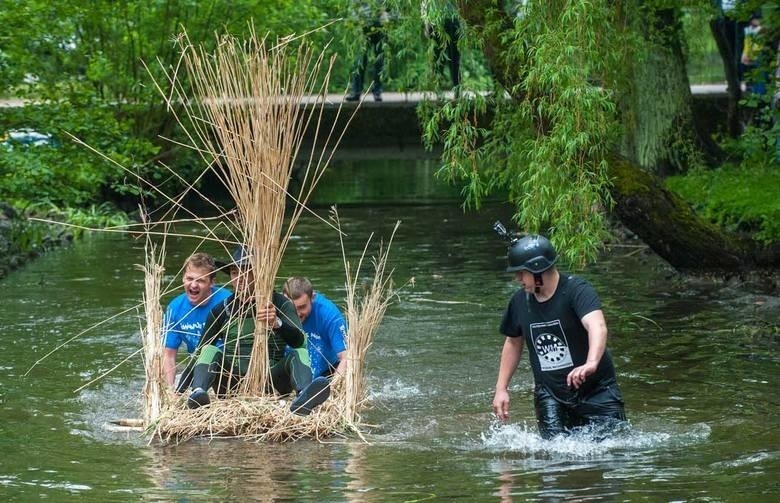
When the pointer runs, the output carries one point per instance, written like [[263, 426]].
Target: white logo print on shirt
[[550, 345]]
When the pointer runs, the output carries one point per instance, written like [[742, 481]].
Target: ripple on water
[[587, 442], [393, 390], [110, 401], [751, 459]]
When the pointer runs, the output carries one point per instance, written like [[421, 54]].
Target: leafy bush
[[96, 216], [64, 173], [738, 197]]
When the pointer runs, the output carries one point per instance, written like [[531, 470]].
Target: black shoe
[[198, 398], [377, 96], [352, 97], [311, 396]]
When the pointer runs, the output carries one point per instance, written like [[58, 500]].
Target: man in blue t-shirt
[[186, 314], [324, 325]]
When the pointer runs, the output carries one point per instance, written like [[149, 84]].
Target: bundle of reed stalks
[[244, 114], [155, 395], [261, 418], [364, 313], [247, 116], [244, 108]]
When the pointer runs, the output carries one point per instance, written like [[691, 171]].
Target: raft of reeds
[[268, 418], [240, 106]]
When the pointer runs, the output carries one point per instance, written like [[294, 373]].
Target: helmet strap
[[538, 283]]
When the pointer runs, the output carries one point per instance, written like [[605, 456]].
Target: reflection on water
[[697, 364], [243, 471], [383, 181]]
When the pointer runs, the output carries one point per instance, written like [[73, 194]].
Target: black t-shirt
[[556, 339]]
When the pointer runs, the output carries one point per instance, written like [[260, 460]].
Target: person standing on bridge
[[372, 16], [560, 319], [442, 26]]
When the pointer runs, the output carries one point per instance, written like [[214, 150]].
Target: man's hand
[[578, 375], [510, 357], [267, 314], [501, 405]]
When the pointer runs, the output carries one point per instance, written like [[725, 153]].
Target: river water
[[697, 362]]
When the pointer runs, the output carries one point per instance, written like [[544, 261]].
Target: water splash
[[110, 401], [587, 442], [751, 459]]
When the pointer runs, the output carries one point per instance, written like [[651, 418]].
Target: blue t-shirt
[[326, 334], [184, 323]]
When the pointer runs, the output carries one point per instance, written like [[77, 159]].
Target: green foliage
[[704, 63], [100, 216], [85, 62], [757, 146], [546, 146], [26, 237], [738, 197], [92, 66], [64, 173]]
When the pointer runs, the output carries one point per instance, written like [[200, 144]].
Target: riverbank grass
[[741, 198]]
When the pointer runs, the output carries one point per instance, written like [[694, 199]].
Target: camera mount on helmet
[[499, 229]]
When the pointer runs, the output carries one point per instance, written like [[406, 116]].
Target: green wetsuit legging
[[212, 370], [234, 324]]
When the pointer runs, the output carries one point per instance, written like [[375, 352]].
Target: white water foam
[[394, 390], [586, 442], [752, 459], [106, 402]]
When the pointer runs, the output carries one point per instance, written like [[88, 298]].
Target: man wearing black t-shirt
[[559, 318]]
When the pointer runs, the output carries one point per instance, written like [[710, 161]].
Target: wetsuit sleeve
[[291, 330], [215, 322]]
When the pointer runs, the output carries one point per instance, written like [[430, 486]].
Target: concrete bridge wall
[[393, 123]]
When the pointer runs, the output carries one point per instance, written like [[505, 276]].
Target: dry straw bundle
[[245, 108], [244, 112], [364, 313], [154, 392], [260, 418]]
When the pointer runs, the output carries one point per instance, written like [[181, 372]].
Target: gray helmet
[[532, 253], [240, 259]]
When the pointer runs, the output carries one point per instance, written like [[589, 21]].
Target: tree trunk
[[668, 225], [726, 33], [661, 132]]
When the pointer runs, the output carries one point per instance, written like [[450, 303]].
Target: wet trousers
[[603, 405]]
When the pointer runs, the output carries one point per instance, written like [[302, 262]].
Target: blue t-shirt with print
[[184, 323], [326, 334]]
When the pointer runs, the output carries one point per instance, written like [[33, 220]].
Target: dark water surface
[[697, 362]]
